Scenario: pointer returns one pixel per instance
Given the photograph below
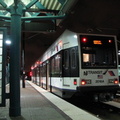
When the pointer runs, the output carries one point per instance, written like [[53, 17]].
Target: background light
[[75, 36], [118, 52], [8, 42]]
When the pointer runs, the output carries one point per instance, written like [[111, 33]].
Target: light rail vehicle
[[84, 64]]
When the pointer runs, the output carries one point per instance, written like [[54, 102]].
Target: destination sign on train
[[98, 42]]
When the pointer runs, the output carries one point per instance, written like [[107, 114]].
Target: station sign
[[2, 66]]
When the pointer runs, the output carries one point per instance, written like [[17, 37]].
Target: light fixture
[[8, 42]]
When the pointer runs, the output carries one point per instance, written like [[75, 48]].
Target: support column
[[15, 58]]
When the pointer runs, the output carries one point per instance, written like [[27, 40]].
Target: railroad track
[[103, 110], [117, 99]]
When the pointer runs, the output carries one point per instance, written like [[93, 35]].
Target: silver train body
[[85, 64]]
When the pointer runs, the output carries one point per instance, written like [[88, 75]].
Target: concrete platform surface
[[39, 104]]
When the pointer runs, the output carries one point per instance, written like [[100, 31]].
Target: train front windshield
[[98, 51]]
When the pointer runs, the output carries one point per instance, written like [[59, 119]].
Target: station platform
[[39, 104]]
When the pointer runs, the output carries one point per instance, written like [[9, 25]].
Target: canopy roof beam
[[3, 3], [31, 4]]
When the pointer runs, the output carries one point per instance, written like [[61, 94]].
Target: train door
[[44, 80], [70, 65], [41, 75], [74, 62], [35, 80], [66, 66], [48, 76], [37, 76]]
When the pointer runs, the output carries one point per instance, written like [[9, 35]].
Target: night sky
[[87, 16]]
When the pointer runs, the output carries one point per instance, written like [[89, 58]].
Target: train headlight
[[116, 81], [83, 82]]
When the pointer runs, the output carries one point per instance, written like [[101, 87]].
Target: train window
[[73, 58], [52, 66], [44, 70], [66, 59], [98, 51], [41, 71], [38, 71], [56, 66]]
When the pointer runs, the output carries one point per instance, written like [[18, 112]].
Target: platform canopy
[[36, 10]]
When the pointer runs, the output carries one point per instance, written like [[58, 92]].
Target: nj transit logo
[[92, 72]]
